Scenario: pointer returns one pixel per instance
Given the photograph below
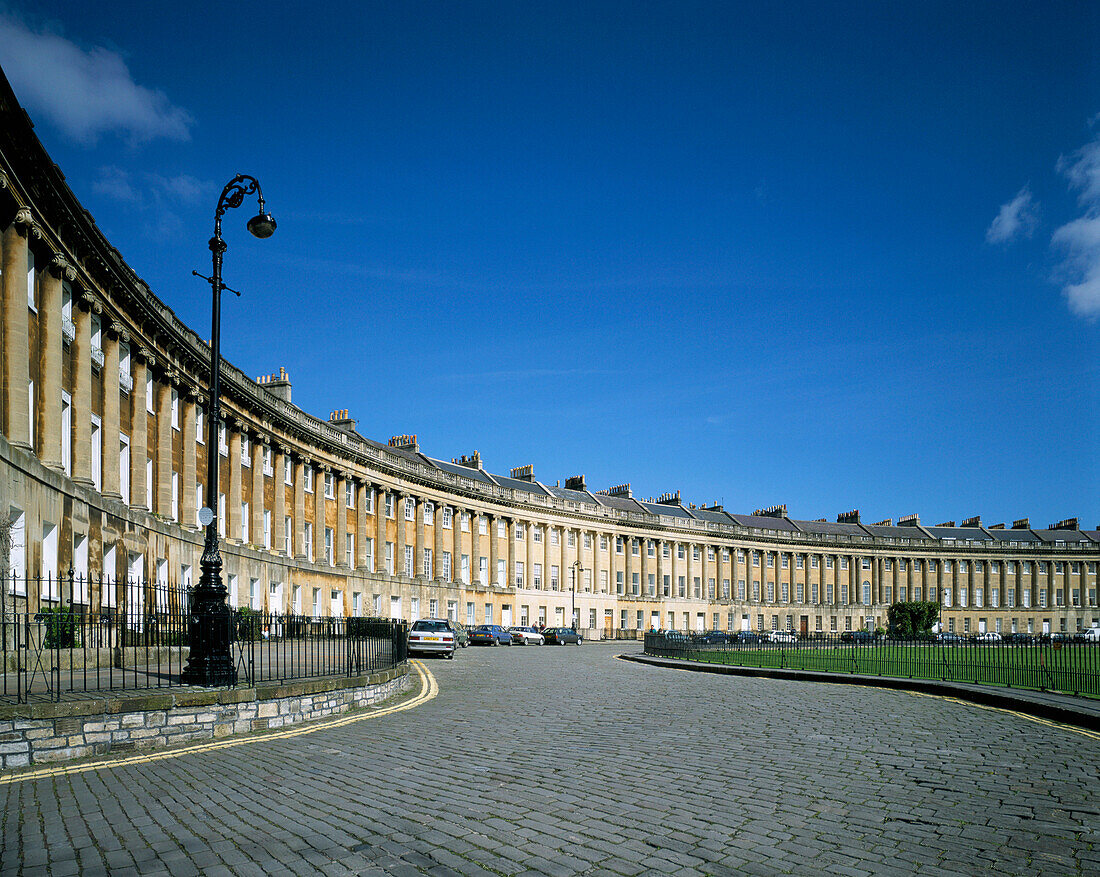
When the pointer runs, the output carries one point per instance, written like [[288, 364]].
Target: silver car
[[526, 636], [432, 636]]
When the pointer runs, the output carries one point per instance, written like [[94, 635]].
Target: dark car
[[746, 638], [1021, 639], [490, 635], [559, 636], [711, 638], [947, 637], [857, 636]]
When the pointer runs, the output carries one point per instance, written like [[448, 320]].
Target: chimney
[[524, 473], [341, 421], [995, 527], [575, 482], [669, 498], [473, 461], [909, 521], [946, 524], [405, 443], [1022, 524], [888, 522], [278, 385], [851, 517], [975, 521], [617, 490], [1067, 524], [776, 511]]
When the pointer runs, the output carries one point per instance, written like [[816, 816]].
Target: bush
[[248, 624], [61, 627], [912, 620]]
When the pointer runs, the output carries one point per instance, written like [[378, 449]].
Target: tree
[[911, 619]]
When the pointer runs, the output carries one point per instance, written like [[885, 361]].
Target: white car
[[989, 636], [432, 636], [526, 636], [782, 636], [1092, 635]]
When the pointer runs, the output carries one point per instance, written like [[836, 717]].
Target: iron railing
[[1066, 663], [125, 634]]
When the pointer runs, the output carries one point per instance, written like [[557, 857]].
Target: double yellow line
[[429, 688]]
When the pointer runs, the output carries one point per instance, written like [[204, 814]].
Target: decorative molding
[[61, 268]]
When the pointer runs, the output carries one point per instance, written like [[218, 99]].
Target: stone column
[[109, 376], [362, 492], [188, 480], [278, 498], [510, 569], [475, 548], [661, 572], [139, 424], [162, 485], [16, 333], [437, 539], [298, 540], [319, 514], [418, 551], [456, 548], [380, 531], [256, 503], [49, 362], [493, 549], [340, 528], [233, 494], [563, 538], [399, 538], [81, 353]]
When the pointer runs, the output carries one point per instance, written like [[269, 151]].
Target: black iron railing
[[1053, 662], [132, 635]]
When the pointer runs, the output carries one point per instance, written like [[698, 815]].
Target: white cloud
[[85, 93], [1016, 218], [1080, 238], [147, 189]]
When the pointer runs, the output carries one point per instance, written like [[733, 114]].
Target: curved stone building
[[103, 460]]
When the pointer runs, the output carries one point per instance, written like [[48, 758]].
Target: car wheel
[[450, 655], [496, 642]]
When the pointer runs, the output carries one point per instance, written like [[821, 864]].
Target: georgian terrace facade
[[103, 454]]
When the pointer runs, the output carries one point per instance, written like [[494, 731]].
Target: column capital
[[60, 268], [25, 224], [145, 354]]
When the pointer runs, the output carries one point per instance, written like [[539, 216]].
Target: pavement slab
[[569, 761]]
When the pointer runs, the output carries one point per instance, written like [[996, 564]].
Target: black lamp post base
[[211, 672]]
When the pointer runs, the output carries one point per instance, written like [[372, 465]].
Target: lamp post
[[210, 662], [576, 567]]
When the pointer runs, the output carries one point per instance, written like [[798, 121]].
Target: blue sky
[[836, 256]]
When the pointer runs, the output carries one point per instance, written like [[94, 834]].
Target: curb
[[1063, 708]]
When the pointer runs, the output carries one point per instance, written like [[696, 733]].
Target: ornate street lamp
[[210, 662]]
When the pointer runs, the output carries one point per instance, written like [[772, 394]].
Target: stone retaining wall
[[128, 721]]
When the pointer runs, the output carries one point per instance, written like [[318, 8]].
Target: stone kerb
[[130, 721]]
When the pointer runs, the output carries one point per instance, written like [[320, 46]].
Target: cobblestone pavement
[[558, 761]]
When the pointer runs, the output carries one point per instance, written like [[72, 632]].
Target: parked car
[[988, 636], [746, 638], [1021, 639], [782, 636], [559, 636], [432, 636], [1092, 635], [526, 636], [462, 637], [490, 635], [948, 638], [711, 638]]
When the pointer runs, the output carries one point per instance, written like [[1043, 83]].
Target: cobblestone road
[[564, 760]]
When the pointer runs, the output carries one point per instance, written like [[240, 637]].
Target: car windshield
[[430, 625]]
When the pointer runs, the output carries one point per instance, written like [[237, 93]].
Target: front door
[[804, 625]]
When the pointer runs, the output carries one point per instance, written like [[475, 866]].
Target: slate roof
[[463, 471], [1052, 536], [1013, 536], [715, 516], [623, 503], [960, 534], [763, 522], [884, 531], [674, 511], [830, 528]]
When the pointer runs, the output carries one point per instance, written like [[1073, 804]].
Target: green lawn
[[1072, 668]]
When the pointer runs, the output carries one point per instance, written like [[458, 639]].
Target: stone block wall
[[53, 732]]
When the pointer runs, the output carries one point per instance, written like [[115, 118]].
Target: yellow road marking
[[1084, 732], [428, 690]]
